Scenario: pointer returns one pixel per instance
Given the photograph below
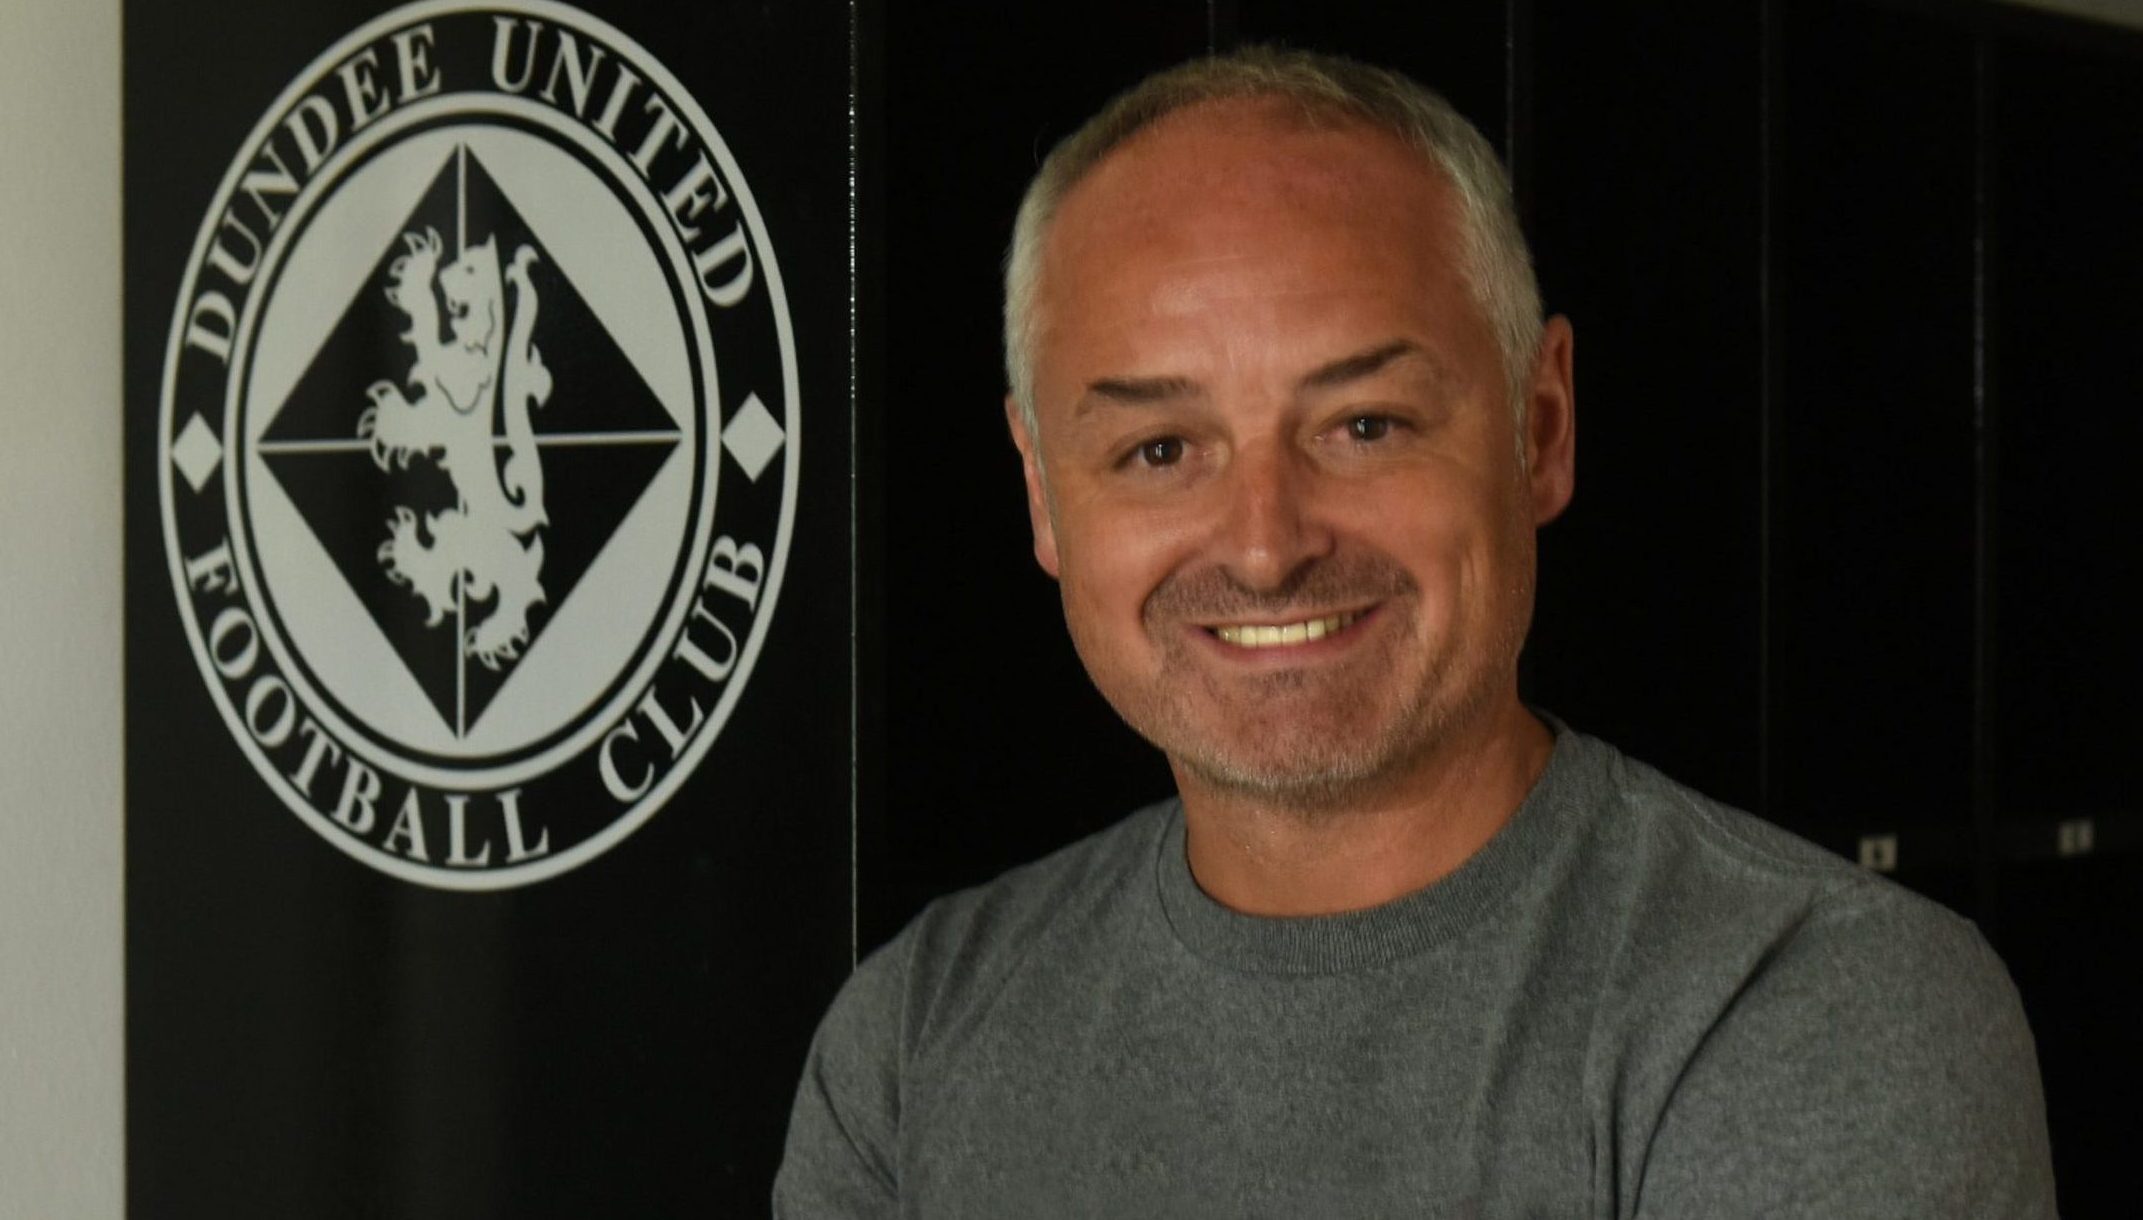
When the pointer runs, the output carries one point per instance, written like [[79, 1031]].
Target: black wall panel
[[2069, 930], [1645, 209], [2065, 276], [1874, 432]]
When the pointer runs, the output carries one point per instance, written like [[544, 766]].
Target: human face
[[1283, 493]]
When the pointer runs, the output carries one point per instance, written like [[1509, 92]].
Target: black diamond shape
[[313, 451]]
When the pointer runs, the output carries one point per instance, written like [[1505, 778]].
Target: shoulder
[[967, 936], [1659, 818], [1074, 879], [842, 1151], [1876, 1062], [1710, 884], [1680, 867], [963, 944], [1818, 1040]]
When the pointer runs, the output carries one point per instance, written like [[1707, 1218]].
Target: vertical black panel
[[1872, 584], [997, 747], [1646, 207], [311, 1036], [2067, 273], [2069, 928], [2068, 265]]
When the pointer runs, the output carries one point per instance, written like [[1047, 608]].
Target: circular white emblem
[[479, 436]]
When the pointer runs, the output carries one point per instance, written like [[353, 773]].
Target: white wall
[[60, 977]]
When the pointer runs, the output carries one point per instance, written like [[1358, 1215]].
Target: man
[[1289, 418]]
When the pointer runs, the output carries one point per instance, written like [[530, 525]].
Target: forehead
[[1248, 200]]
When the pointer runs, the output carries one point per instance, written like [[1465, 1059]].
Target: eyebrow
[[1137, 391], [1145, 391], [1362, 364]]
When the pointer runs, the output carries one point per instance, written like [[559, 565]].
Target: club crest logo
[[468, 391], [478, 442]]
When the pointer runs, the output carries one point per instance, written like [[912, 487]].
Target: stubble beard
[[1363, 744], [1313, 740]]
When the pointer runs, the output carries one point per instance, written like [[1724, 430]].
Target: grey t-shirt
[[1633, 1002]]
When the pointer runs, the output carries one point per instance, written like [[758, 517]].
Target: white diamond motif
[[752, 437], [197, 453]]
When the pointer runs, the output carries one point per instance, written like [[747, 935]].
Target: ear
[[1551, 423], [1045, 533]]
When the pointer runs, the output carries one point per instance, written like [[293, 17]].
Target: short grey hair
[[1327, 88]]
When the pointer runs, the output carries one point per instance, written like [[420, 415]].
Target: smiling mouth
[[1283, 635]]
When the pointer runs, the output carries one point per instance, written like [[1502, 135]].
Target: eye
[[1160, 451], [1368, 427]]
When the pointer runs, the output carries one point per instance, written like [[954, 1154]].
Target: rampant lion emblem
[[463, 385]]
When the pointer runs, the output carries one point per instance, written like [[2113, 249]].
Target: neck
[[1263, 857]]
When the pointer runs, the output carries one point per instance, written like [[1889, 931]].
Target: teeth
[[1258, 635]]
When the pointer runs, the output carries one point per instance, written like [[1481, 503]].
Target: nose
[[1273, 526]]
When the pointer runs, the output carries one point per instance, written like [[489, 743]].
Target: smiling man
[[1289, 418]]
